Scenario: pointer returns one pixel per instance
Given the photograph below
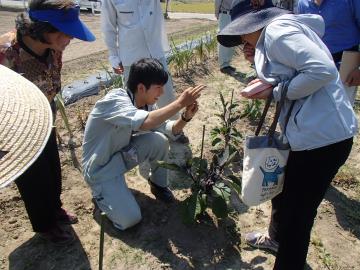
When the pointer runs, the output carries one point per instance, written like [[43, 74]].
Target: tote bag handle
[[279, 105]]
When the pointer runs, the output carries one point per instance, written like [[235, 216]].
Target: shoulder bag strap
[[263, 115]]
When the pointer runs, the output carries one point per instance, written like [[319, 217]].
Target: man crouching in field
[[124, 129]]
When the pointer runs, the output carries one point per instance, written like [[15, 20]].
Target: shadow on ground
[[346, 210], [37, 254], [206, 245]]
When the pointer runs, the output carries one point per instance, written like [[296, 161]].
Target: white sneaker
[[261, 240]]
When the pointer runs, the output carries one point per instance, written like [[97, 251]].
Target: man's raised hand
[[190, 95]]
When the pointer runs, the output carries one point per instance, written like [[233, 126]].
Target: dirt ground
[[79, 49], [161, 240]]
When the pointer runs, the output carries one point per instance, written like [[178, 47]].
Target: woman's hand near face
[[353, 78]]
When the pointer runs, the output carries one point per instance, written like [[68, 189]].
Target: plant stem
[[202, 142], [231, 102]]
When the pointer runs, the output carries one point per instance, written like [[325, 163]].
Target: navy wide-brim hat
[[65, 20], [246, 19]]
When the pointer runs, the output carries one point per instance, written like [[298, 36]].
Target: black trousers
[[307, 177], [40, 187]]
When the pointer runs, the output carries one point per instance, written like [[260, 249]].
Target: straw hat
[[25, 124]]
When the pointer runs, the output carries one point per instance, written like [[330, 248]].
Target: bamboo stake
[[101, 251], [202, 142]]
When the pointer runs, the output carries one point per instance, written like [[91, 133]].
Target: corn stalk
[[59, 101]]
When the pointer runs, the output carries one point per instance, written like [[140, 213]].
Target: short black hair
[[147, 71], [25, 26]]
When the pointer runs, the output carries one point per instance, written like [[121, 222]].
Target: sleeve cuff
[[114, 60], [168, 130], [276, 93], [138, 119]]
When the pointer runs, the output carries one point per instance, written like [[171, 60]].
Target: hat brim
[[248, 23], [25, 126], [76, 29]]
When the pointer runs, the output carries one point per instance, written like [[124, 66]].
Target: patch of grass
[[186, 6], [346, 178], [131, 257], [191, 33], [328, 261]]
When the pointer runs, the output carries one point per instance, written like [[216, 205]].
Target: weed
[[325, 256], [117, 81], [181, 59], [184, 6], [211, 44], [253, 109], [81, 117], [200, 52]]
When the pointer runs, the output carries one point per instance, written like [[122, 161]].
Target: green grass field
[[191, 6]]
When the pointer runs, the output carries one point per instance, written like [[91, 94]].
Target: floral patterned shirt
[[43, 71]]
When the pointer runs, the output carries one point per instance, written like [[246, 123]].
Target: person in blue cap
[[35, 51]]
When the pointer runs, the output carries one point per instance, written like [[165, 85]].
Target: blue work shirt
[[109, 129], [342, 21]]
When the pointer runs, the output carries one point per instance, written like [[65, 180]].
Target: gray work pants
[[225, 54], [114, 197]]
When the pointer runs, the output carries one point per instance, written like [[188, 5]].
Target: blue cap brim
[[76, 29], [64, 20]]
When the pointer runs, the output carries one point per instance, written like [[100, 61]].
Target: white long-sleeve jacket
[[290, 48], [133, 29]]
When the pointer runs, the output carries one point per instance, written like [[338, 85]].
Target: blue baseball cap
[[64, 20]]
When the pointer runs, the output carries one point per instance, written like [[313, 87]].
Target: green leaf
[[224, 130], [234, 179], [224, 157], [235, 187], [221, 190], [170, 166], [191, 208], [216, 141], [234, 182], [232, 106], [221, 116], [203, 202], [215, 131], [219, 207], [189, 162], [230, 158], [203, 164]]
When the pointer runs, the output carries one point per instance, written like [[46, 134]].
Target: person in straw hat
[[287, 48], [35, 51]]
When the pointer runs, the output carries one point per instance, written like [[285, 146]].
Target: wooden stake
[[101, 251], [202, 142]]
